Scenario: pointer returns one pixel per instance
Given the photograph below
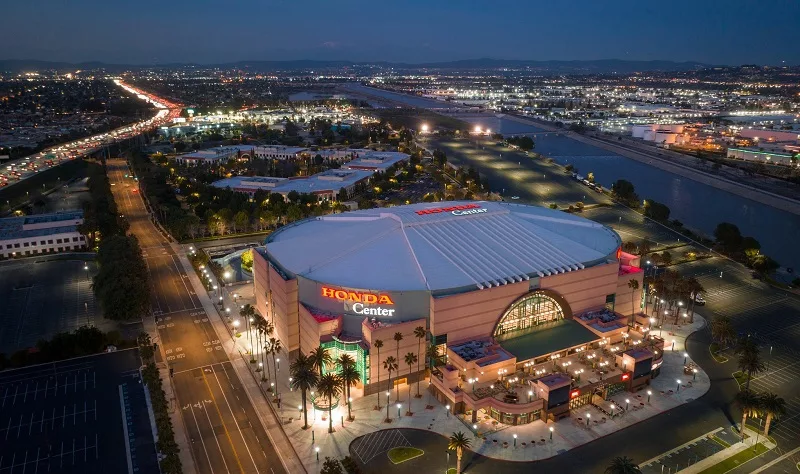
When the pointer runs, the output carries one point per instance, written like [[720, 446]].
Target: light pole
[[316, 449], [679, 386], [694, 375], [627, 404], [398, 411], [551, 434], [612, 410], [685, 356], [447, 410], [86, 267], [530, 395], [648, 396], [388, 402], [515, 440], [588, 418]]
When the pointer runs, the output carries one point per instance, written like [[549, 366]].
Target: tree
[[458, 442], [304, 378], [398, 336], [331, 466], [123, 283], [656, 211], [330, 388], [750, 405], [241, 220], [590, 177], [389, 365], [247, 260], [420, 333], [633, 284], [750, 362], [320, 358], [378, 344], [722, 330], [623, 191], [773, 406], [728, 236], [275, 348], [410, 360], [622, 465], [349, 376]]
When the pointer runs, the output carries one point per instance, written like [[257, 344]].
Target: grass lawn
[[452, 470], [720, 441], [398, 455], [736, 460], [741, 378]]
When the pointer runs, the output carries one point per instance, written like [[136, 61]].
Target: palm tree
[[722, 330], [694, 288], [321, 358], [420, 334], [378, 344], [633, 284], [750, 405], [623, 465], [410, 359], [433, 355], [773, 406], [275, 347], [304, 378], [389, 365], [458, 442], [329, 387], [398, 336], [247, 312], [750, 362], [349, 377]]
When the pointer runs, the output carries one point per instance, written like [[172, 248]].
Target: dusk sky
[[711, 31]]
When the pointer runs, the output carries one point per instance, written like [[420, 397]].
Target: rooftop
[[328, 181], [547, 338], [39, 225], [447, 247], [376, 160]]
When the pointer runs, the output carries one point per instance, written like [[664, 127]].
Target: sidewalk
[[234, 348]]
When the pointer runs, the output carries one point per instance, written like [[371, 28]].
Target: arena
[[522, 312]]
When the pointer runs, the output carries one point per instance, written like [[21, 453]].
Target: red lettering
[[438, 210], [356, 296]]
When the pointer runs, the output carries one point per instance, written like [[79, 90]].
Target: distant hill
[[602, 66]]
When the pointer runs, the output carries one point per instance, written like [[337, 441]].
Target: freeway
[[221, 422], [18, 170]]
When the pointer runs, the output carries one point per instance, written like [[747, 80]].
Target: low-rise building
[[42, 233], [774, 156], [376, 160], [326, 185]]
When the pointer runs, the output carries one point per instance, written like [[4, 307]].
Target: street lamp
[[694, 374], [588, 416], [685, 356], [679, 386], [627, 404], [316, 449], [515, 440], [551, 433], [612, 409], [447, 410], [649, 392], [398, 411], [530, 395]]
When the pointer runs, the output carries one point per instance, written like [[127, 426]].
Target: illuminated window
[[535, 309]]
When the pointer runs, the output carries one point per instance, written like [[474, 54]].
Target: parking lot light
[[551, 433]]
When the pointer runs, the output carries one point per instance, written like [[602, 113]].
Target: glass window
[[531, 311], [610, 301]]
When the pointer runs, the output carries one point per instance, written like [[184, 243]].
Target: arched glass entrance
[[530, 311]]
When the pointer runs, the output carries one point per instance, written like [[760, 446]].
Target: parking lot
[[691, 453], [42, 297], [85, 415]]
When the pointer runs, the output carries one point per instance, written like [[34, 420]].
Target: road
[[18, 170], [221, 423]]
